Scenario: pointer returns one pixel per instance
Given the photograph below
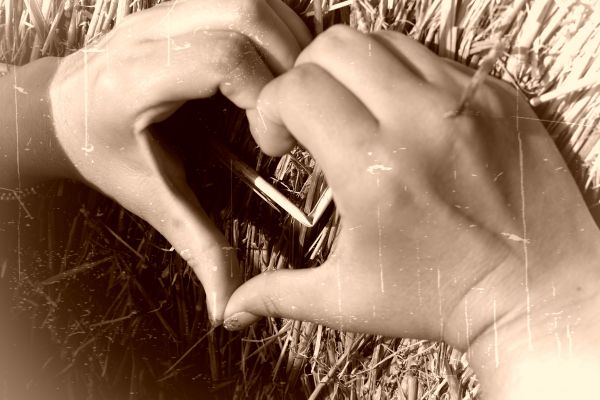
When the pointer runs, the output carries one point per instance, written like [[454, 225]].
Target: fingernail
[[240, 320]]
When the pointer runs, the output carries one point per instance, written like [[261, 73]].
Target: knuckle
[[270, 300], [127, 22], [394, 40], [391, 35], [401, 42], [338, 36], [232, 50], [300, 76], [128, 27], [271, 307], [340, 32], [108, 81]]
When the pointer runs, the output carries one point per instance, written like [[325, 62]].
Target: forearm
[[29, 151]]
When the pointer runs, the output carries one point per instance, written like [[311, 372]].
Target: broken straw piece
[[487, 63], [266, 190], [566, 89]]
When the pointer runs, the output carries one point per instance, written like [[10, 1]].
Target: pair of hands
[[454, 228]]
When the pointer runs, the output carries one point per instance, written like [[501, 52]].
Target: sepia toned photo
[[299, 199]]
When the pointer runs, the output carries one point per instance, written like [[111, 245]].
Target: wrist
[[559, 360], [29, 128], [61, 166], [548, 347]]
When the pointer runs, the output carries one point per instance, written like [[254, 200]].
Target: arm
[[468, 229]]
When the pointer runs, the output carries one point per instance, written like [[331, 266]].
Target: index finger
[[253, 18], [324, 116]]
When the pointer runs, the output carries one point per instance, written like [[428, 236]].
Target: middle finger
[[367, 68]]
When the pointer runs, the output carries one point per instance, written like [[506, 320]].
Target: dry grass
[[125, 316]]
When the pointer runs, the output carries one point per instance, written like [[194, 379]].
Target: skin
[[468, 229], [88, 116]]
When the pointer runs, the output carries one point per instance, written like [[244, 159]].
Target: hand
[[453, 228], [106, 97]]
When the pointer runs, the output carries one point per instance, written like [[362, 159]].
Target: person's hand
[[453, 228], [105, 97]]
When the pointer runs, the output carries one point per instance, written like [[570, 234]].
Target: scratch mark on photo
[[524, 239]]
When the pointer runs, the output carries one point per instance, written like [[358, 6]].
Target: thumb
[[334, 294], [344, 293], [296, 294]]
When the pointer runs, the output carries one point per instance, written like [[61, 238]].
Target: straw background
[[113, 314]]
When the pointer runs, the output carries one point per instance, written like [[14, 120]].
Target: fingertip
[[220, 282], [240, 320], [272, 138], [216, 302], [280, 294], [235, 316]]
